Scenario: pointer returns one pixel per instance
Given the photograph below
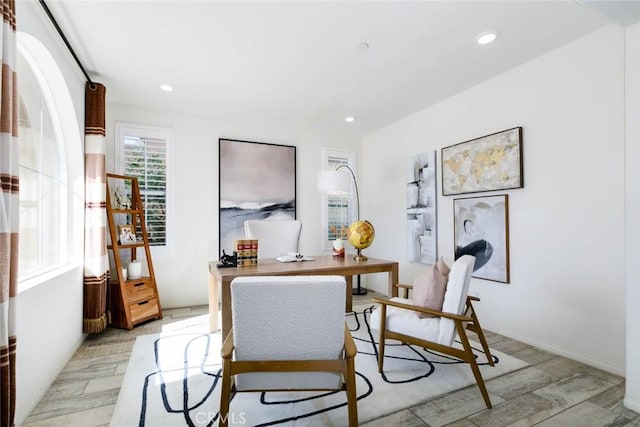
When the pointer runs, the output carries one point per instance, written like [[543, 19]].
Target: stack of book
[[247, 250]]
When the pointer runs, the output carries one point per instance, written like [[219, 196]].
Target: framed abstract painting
[[257, 181], [422, 235], [481, 229], [492, 162]]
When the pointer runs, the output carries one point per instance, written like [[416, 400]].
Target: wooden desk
[[323, 265]]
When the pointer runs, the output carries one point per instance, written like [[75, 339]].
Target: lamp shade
[[334, 182]]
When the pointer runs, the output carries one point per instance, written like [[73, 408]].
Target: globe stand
[[359, 256]]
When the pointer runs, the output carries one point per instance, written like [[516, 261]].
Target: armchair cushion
[[429, 288], [266, 312], [407, 322], [455, 298]]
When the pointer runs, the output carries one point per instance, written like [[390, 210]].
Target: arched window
[[49, 137]]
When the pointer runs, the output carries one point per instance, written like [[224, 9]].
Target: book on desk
[[293, 257]]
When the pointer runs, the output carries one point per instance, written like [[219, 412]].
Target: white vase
[[134, 270]]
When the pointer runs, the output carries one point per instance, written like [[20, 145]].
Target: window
[[43, 186], [144, 154], [51, 168], [338, 212]]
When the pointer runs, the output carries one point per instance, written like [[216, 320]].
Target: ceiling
[[299, 64]]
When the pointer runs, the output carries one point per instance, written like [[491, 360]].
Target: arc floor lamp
[[335, 183]]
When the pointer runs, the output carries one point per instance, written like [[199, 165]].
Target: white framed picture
[[127, 234], [481, 229]]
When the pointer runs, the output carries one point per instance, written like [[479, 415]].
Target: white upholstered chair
[[275, 237], [399, 319], [288, 333]]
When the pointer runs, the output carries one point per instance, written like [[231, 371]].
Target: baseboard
[[22, 416], [634, 405], [569, 355]]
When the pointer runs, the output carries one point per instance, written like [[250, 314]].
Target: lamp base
[[358, 290]]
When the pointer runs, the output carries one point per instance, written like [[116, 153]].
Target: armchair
[[399, 319], [275, 237], [288, 333]]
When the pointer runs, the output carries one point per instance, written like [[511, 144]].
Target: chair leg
[[352, 398], [478, 330], [485, 345], [225, 393], [472, 362], [383, 326]]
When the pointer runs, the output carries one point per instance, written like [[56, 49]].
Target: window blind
[[339, 209], [146, 159]]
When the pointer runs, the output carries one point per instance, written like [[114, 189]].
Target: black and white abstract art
[[257, 181], [422, 240], [481, 229]]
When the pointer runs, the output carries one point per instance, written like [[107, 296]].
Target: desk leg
[[226, 307], [213, 303], [393, 281], [349, 300]]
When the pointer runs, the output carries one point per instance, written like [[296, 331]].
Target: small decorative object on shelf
[[124, 273], [135, 270], [122, 201], [127, 234]]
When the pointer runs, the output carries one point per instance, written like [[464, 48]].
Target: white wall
[[566, 296], [56, 326], [567, 291], [632, 212], [182, 274], [49, 315]]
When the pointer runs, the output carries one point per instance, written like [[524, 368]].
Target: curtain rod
[[66, 42]]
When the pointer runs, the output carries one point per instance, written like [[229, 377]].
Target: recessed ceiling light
[[166, 88], [486, 37], [349, 119]]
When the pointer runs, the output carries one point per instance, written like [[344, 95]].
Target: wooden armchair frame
[[466, 321], [344, 366]]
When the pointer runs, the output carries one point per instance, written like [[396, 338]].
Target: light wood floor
[[552, 391]]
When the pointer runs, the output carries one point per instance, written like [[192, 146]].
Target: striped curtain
[[9, 211], [96, 265]]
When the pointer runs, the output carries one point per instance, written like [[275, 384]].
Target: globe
[[360, 234]]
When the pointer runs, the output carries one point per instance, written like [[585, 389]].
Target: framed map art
[[491, 162]]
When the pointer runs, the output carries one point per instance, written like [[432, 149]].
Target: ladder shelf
[[131, 300]]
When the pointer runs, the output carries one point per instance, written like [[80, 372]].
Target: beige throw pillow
[[429, 288]]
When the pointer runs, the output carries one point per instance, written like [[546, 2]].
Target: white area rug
[[173, 379]]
